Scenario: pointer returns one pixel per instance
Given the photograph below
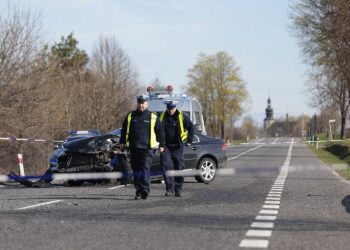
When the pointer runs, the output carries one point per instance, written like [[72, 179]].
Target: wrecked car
[[101, 154]]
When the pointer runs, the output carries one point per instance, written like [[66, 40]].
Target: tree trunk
[[223, 130], [342, 126]]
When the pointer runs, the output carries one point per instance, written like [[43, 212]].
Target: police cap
[[142, 98], [171, 104]]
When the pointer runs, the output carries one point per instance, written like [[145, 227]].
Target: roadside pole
[[20, 164]]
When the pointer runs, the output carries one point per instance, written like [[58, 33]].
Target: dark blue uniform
[[173, 156], [141, 153]]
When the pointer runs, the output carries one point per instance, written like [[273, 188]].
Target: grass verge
[[335, 154]]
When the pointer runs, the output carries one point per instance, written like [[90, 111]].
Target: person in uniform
[[179, 131], [141, 133]]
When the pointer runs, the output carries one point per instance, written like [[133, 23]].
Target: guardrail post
[[317, 145], [20, 164]]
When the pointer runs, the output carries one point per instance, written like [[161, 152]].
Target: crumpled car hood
[[91, 145]]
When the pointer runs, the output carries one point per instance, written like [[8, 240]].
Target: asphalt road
[[280, 197]]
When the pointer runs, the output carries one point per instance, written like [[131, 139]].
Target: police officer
[[140, 132], [179, 130]]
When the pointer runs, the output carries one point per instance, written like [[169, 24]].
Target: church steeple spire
[[269, 109], [269, 114]]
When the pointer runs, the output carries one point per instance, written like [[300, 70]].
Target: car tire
[[208, 169]]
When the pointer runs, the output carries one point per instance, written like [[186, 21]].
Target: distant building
[[269, 120]]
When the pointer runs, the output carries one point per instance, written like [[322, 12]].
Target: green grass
[[336, 154]]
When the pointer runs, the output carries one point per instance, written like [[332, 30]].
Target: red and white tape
[[12, 138]]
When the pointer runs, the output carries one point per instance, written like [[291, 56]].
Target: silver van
[[188, 105]]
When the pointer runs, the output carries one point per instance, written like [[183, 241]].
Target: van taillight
[[224, 146]]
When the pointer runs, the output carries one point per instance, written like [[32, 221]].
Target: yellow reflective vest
[[183, 132], [152, 140]]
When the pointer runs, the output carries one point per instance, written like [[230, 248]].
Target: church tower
[[269, 120]]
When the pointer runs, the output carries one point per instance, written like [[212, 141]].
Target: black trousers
[[141, 161], [172, 158]]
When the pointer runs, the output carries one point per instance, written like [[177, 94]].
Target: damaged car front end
[[87, 159]]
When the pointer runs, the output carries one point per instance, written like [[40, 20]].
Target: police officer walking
[[140, 132], [179, 130]]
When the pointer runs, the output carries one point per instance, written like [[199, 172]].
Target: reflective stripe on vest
[[153, 138], [183, 132], [128, 130]]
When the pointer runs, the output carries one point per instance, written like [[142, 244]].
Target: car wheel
[[208, 168]]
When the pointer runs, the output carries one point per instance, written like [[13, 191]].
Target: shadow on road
[[346, 203]]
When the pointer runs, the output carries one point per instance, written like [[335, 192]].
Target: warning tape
[[12, 138], [112, 175]]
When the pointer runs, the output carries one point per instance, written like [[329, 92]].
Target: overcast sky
[[164, 37]]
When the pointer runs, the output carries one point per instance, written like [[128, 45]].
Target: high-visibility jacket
[[152, 140], [183, 132]]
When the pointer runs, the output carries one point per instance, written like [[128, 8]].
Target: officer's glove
[[188, 144]]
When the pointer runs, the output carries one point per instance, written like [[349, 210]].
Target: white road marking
[[234, 157], [38, 205], [265, 217], [273, 198], [265, 211], [262, 224], [116, 187], [274, 142], [259, 233], [273, 202], [274, 195], [254, 243], [271, 206], [276, 190]]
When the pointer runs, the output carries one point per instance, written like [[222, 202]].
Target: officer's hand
[[161, 149], [188, 144], [122, 146]]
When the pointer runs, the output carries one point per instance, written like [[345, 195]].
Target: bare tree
[[23, 76], [327, 91], [115, 84], [322, 27]]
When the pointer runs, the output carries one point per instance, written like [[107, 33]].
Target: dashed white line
[[265, 217], [259, 233], [262, 224], [271, 206], [264, 211], [254, 243], [274, 195], [38, 205], [269, 211], [273, 202], [273, 198]]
